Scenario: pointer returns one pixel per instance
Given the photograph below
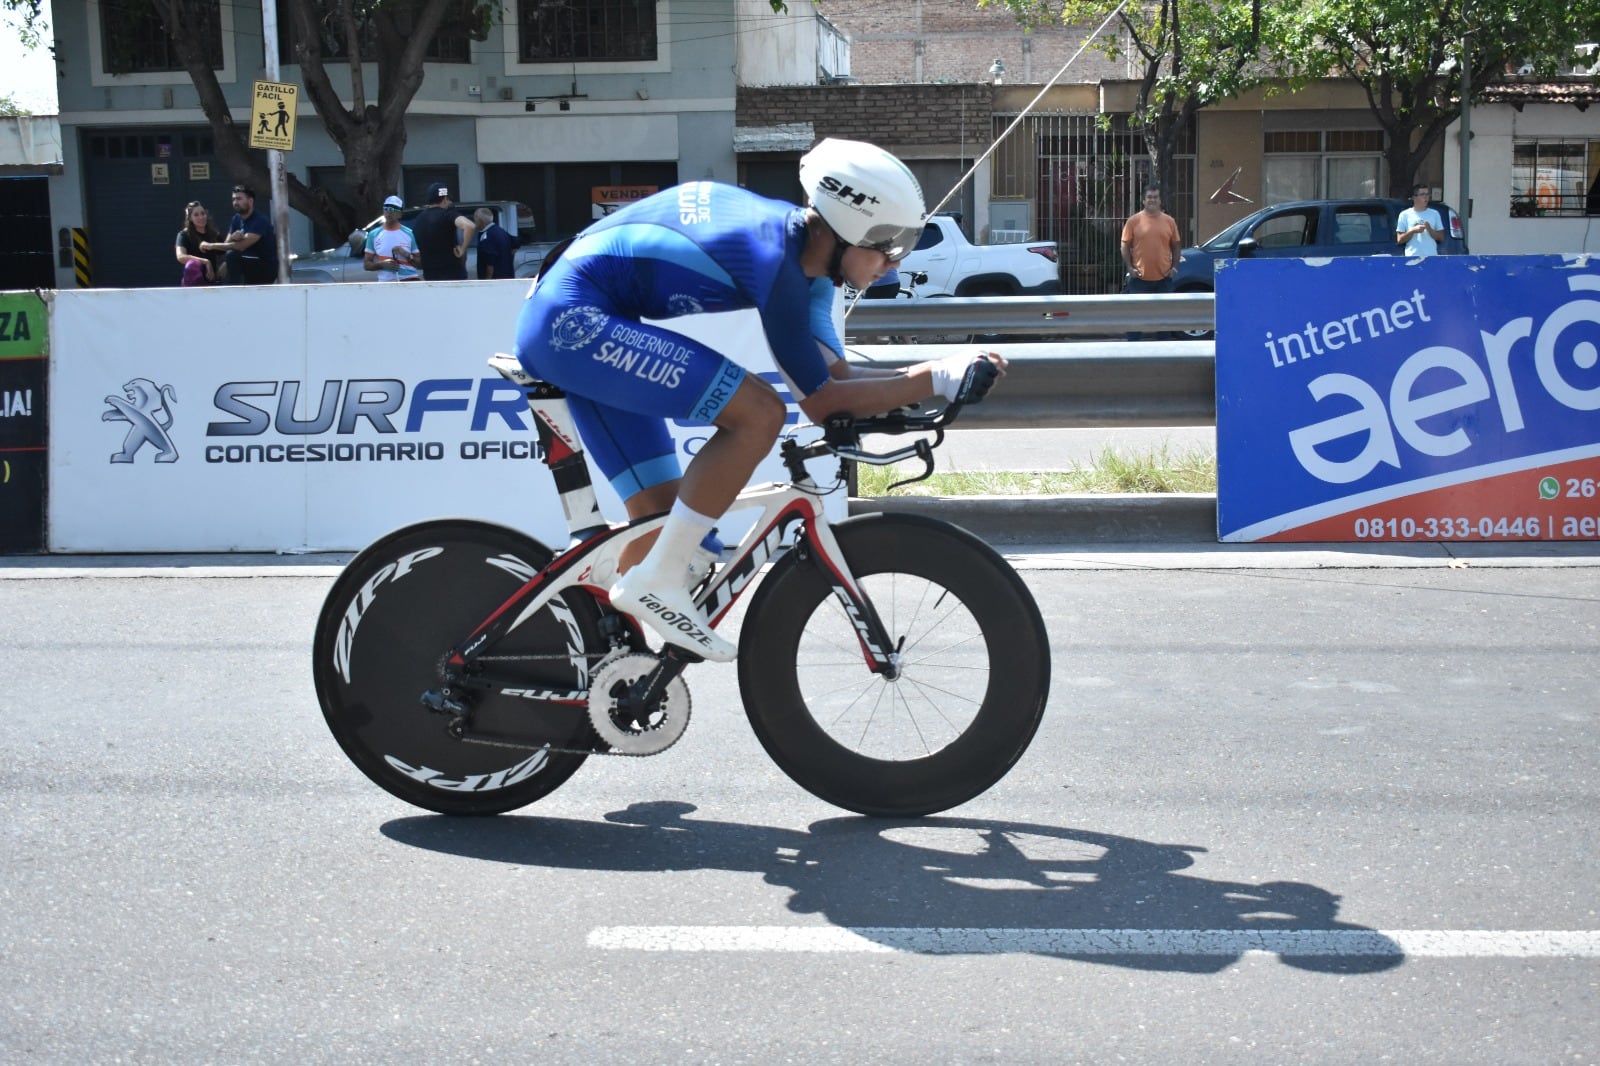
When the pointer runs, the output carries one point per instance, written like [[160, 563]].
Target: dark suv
[[1308, 229]]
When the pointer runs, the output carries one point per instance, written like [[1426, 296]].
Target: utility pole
[[280, 182], [1464, 208]]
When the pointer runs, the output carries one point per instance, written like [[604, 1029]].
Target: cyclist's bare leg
[[656, 589], [746, 428], [653, 500]]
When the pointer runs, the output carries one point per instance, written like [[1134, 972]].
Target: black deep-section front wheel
[[974, 669], [385, 629]]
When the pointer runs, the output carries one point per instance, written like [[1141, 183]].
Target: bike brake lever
[[924, 451]]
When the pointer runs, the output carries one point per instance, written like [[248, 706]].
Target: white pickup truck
[[957, 267]]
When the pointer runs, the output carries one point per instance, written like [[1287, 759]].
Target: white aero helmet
[[865, 194]]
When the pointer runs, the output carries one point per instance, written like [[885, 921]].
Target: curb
[[1133, 518]]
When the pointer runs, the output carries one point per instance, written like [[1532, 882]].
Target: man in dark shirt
[[496, 247], [251, 247], [443, 237]]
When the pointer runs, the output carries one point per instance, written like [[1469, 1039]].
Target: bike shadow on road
[[878, 876]]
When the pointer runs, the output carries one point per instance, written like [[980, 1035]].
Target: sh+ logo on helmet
[[844, 191]]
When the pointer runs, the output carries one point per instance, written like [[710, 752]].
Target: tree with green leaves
[[393, 35], [1191, 53], [1407, 55]]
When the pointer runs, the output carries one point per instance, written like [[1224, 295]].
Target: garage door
[[138, 183]]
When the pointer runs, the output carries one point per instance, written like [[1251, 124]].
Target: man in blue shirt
[[593, 325], [252, 249], [495, 247], [1419, 226]]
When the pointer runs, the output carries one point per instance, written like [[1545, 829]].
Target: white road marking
[[1394, 943]]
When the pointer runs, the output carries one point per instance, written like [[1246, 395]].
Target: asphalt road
[[1376, 787]]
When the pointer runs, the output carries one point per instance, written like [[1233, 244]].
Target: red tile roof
[[1566, 91]]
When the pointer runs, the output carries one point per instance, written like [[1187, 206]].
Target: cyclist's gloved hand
[[977, 382], [965, 377]]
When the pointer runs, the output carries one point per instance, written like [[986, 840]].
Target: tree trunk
[[371, 136], [243, 164]]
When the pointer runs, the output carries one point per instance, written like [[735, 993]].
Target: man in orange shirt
[[1151, 248]]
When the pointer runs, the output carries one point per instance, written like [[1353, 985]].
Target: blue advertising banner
[[1384, 398]]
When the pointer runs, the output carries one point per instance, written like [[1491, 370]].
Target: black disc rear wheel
[[384, 631]]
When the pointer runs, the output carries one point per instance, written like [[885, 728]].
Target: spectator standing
[[1151, 249], [391, 248], [251, 249], [1419, 226], [496, 247], [443, 237], [199, 267]]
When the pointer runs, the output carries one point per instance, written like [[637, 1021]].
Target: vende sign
[[300, 418], [1449, 398]]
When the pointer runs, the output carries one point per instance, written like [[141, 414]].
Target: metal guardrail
[[1066, 383], [1033, 315], [1084, 384]]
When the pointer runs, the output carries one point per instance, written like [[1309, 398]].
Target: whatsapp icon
[[1549, 488]]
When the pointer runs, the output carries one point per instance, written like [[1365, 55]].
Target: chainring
[[627, 734]]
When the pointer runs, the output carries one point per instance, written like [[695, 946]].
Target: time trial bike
[[891, 664]]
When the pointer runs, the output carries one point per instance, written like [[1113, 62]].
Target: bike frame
[[791, 515]]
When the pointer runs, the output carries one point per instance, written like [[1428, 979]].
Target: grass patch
[[1161, 470]]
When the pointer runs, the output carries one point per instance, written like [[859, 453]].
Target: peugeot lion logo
[[148, 412]]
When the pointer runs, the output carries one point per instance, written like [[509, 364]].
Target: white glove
[[948, 372]]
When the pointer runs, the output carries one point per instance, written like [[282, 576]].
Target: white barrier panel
[[305, 418]]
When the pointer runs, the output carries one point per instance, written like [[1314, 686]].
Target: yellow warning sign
[[272, 116]]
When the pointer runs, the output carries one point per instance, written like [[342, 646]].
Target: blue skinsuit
[[700, 247]]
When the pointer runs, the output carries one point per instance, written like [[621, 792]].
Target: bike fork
[[878, 645]]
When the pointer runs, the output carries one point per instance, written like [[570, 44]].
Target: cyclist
[[591, 325]]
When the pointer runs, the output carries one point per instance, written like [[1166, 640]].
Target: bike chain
[[594, 661]]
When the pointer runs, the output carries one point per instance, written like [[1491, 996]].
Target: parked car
[[346, 262], [1307, 229], [957, 267]]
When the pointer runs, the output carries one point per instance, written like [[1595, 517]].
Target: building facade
[[958, 42], [647, 93], [1534, 168], [629, 92]]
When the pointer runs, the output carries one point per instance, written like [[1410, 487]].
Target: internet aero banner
[[1393, 399]]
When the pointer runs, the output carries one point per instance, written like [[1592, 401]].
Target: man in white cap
[[391, 248]]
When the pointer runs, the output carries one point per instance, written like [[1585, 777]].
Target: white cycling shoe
[[656, 593]]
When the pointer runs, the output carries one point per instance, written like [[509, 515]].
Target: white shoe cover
[[668, 608]]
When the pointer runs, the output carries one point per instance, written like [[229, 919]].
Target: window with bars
[[134, 41], [452, 44], [1321, 164], [560, 31], [1084, 181], [1551, 178]]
